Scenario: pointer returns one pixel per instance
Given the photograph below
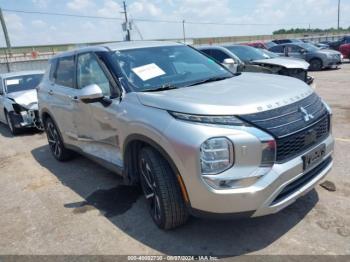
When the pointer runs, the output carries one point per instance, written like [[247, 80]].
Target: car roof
[[126, 45], [21, 73]]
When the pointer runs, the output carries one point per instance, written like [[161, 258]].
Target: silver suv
[[199, 139]]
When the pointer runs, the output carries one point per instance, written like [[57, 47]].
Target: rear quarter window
[[52, 69]]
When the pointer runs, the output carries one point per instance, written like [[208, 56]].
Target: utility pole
[[183, 31], [7, 39], [126, 23], [338, 14]]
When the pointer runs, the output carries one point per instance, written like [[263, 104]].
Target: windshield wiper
[[161, 88], [211, 79]]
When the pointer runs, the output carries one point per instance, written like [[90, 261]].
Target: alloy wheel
[[149, 187], [53, 139], [316, 64]]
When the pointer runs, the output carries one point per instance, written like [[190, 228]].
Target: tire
[[161, 189], [10, 123], [55, 141], [316, 64]]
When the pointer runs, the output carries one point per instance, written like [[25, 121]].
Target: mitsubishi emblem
[[306, 116]]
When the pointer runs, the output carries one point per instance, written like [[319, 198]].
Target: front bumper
[[332, 62], [263, 198], [254, 200], [26, 119]]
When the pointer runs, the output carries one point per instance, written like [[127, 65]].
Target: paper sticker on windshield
[[149, 71], [12, 82]]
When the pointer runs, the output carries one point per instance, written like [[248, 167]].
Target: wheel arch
[[131, 146], [44, 115], [136, 141]]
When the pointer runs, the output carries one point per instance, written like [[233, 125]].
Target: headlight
[[18, 108], [219, 120], [327, 107], [216, 155]]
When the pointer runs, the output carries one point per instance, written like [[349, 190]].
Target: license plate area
[[314, 157]]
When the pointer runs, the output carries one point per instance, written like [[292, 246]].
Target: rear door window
[[64, 75]]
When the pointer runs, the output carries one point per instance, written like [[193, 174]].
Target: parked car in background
[[251, 59], [18, 99], [345, 50], [317, 58], [336, 44], [225, 57], [259, 44], [198, 139]]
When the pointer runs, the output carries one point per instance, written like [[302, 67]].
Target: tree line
[[310, 30]]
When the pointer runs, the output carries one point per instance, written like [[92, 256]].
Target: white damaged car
[[18, 99]]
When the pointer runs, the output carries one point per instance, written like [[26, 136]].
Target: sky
[[251, 17]]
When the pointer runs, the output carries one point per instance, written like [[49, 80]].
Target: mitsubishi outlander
[[199, 139]]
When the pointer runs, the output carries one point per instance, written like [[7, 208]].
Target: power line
[[163, 21], [61, 14]]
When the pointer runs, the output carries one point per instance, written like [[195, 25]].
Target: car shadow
[[5, 131], [126, 209]]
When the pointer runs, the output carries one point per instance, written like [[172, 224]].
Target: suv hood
[[243, 94], [28, 98], [284, 62]]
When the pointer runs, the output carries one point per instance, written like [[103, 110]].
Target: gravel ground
[[78, 207]]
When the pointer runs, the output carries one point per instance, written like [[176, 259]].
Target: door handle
[[50, 92]]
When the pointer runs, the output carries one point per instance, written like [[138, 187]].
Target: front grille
[[288, 126], [301, 181], [294, 144]]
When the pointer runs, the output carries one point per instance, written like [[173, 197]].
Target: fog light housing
[[216, 155], [268, 153]]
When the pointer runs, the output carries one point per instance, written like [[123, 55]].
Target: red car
[[261, 45], [345, 50]]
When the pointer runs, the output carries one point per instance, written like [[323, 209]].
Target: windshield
[[22, 83], [270, 44], [175, 66], [269, 54], [247, 53]]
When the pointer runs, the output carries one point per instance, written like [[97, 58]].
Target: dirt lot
[[78, 207]]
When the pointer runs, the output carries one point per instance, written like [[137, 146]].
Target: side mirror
[[90, 92], [230, 64], [302, 51]]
